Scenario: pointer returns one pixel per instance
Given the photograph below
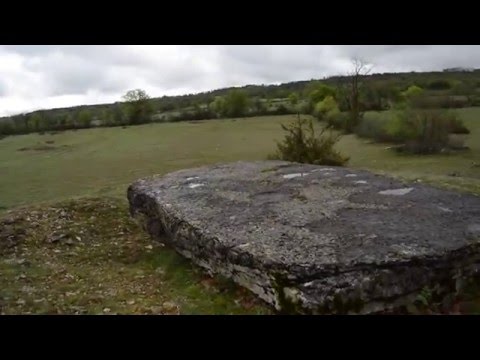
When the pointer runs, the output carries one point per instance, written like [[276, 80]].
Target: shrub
[[283, 110], [413, 92], [306, 108], [443, 102], [325, 108], [328, 111], [373, 127], [456, 141], [301, 144], [418, 130], [421, 131], [475, 101], [455, 124], [338, 120], [439, 85]]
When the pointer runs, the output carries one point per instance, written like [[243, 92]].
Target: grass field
[[36, 168], [88, 257]]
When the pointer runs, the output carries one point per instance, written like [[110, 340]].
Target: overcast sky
[[46, 76]]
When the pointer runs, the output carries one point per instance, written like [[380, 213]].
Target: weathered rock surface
[[314, 239]]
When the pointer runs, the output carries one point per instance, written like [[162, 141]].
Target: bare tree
[[354, 84]]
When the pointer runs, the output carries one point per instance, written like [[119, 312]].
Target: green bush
[[328, 111], [439, 85], [413, 92], [326, 108], [306, 108], [420, 131], [475, 101], [373, 127], [456, 142], [440, 102], [455, 124], [301, 144], [283, 110], [338, 121]]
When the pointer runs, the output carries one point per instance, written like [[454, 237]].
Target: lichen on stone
[[315, 243]]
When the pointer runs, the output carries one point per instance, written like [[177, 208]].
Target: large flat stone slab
[[313, 239]]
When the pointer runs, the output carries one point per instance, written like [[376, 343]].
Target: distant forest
[[451, 88]]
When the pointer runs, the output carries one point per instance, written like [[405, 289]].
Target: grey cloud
[[30, 49], [270, 64], [101, 54], [67, 75], [3, 89], [415, 57], [80, 70]]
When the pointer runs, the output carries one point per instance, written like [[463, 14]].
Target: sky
[[36, 77]]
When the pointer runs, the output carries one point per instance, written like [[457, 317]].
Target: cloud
[[44, 76], [3, 89]]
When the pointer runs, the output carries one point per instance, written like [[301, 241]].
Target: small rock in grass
[[159, 271], [169, 306], [156, 310], [55, 238]]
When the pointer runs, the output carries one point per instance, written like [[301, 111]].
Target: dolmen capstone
[[314, 239]]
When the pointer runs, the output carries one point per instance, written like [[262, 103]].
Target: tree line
[[322, 98]]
